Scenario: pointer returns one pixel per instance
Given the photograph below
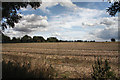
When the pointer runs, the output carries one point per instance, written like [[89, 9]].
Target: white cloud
[[107, 26], [56, 34], [51, 3], [29, 24], [110, 29], [103, 21], [32, 21], [109, 21], [82, 17]]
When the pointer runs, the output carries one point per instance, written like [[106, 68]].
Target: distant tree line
[[29, 39]]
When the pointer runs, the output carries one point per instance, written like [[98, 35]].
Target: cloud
[[50, 3], [110, 29], [23, 29], [82, 17], [103, 21], [31, 22], [56, 34], [109, 21], [104, 28], [87, 24], [107, 34]]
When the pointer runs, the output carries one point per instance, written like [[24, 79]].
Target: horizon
[[67, 40]]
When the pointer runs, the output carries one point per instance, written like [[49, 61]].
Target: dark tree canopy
[[38, 39], [26, 38], [10, 12], [5, 39], [114, 8], [113, 40], [52, 39]]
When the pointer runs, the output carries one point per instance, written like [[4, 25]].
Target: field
[[60, 60]]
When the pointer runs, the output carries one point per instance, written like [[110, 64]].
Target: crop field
[[60, 60]]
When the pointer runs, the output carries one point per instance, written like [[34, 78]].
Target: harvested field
[[70, 60]]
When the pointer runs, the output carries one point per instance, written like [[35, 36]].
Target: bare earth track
[[71, 60]]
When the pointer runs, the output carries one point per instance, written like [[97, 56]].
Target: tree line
[[29, 39]]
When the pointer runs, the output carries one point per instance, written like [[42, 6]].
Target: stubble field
[[68, 60]]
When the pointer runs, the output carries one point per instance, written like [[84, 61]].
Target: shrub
[[14, 70], [102, 71]]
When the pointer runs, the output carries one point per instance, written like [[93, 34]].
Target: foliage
[[114, 8], [15, 40], [113, 40], [52, 39], [10, 12], [5, 39], [38, 39], [26, 38], [14, 70], [102, 71]]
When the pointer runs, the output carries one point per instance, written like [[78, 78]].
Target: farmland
[[69, 60]]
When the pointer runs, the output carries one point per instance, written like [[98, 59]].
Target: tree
[[5, 39], [10, 12], [114, 8], [113, 40], [38, 39], [26, 38], [52, 39], [79, 41], [16, 40]]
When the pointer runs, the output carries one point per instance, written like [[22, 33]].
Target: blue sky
[[67, 21]]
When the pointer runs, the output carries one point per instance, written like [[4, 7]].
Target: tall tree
[[15, 40], [52, 39], [38, 39], [113, 40], [10, 12], [26, 38]]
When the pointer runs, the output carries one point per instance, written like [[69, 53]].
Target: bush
[[102, 71], [14, 70]]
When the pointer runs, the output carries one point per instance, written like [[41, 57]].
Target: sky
[[67, 21]]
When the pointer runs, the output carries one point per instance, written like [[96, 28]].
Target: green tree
[[113, 40], [16, 40], [26, 38], [38, 39], [10, 12], [52, 39], [5, 39]]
